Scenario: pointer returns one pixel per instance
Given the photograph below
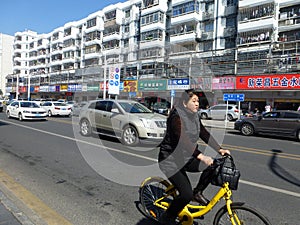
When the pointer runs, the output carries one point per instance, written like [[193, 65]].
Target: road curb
[[14, 210], [30, 205]]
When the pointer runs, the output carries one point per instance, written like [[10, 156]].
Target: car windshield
[[134, 107], [29, 105]]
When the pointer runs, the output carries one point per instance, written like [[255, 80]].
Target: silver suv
[[128, 120], [219, 112]]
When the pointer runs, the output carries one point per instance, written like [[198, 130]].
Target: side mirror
[[115, 110], [259, 118]]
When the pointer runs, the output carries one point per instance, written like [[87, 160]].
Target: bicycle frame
[[187, 215]]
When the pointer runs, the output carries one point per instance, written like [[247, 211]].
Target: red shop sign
[[267, 82]]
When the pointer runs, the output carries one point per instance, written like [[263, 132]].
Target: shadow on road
[[280, 171]]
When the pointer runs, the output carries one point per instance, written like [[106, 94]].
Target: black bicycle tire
[[147, 197], [251, 211]]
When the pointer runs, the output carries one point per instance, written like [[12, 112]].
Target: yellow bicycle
[[156, 194]]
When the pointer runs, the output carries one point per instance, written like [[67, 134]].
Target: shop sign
[[78, 87], [84, 87], [102, 86], [63, 87], [52, 88], [130, 86], [267, 82], [71, 87], [36, 88], [57, 88], [179, 84], [44, 88], [152, 85], [93, 88], [223, 83], [22, 89], [202, 83]]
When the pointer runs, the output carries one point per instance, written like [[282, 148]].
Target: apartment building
[[209, 42], [6, 63]]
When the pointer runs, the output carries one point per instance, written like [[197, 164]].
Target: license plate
[[63, 109], [37, 115]]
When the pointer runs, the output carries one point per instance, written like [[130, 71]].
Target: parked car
[[281, 122], [219, 112], [57, 108], [25, 110], [128, 120], [1, 106], [161, 107]]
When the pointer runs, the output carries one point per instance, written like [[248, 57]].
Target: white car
[[219, 111], [25, 110], [128, 120], [57, 108]]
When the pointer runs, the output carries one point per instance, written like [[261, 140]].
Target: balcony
[[110, 23], [183, 37]]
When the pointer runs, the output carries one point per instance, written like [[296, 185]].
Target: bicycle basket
[[226, 171]]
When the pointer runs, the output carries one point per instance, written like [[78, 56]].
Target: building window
[[185, 8], [110, 15], [91, 23]]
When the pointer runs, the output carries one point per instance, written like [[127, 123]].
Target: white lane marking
[[295, 194]]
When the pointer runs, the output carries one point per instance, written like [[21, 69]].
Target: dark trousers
[[182, 183]]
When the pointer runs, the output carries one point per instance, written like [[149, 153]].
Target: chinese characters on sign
[[280, 81], [182, 84], [130, 86], [220, 83], [152, 85]]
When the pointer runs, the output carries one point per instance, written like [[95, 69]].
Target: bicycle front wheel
[[152, 189], [243, 215]]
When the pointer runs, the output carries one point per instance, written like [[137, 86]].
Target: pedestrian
[[179, 154]]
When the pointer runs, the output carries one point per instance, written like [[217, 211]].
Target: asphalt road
[[88, 181]]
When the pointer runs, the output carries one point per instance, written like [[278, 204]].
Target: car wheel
[[204, 116], [229, 117], [130, 136], [85, 127], [49, 113], [8, 114], [247, 129], [20, 116], [298, 135]]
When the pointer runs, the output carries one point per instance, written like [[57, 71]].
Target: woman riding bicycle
[[179, 154]]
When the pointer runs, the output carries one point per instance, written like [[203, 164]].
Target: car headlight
[[147, 123]]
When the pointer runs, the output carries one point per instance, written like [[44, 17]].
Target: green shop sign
[[152, 85], [93, 88]]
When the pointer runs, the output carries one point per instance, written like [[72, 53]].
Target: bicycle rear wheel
[[151, 190], [245, 214]]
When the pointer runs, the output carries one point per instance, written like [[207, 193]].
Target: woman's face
[[192, 104]]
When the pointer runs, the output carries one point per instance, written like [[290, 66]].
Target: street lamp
[[28, 88], [104, 73]]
